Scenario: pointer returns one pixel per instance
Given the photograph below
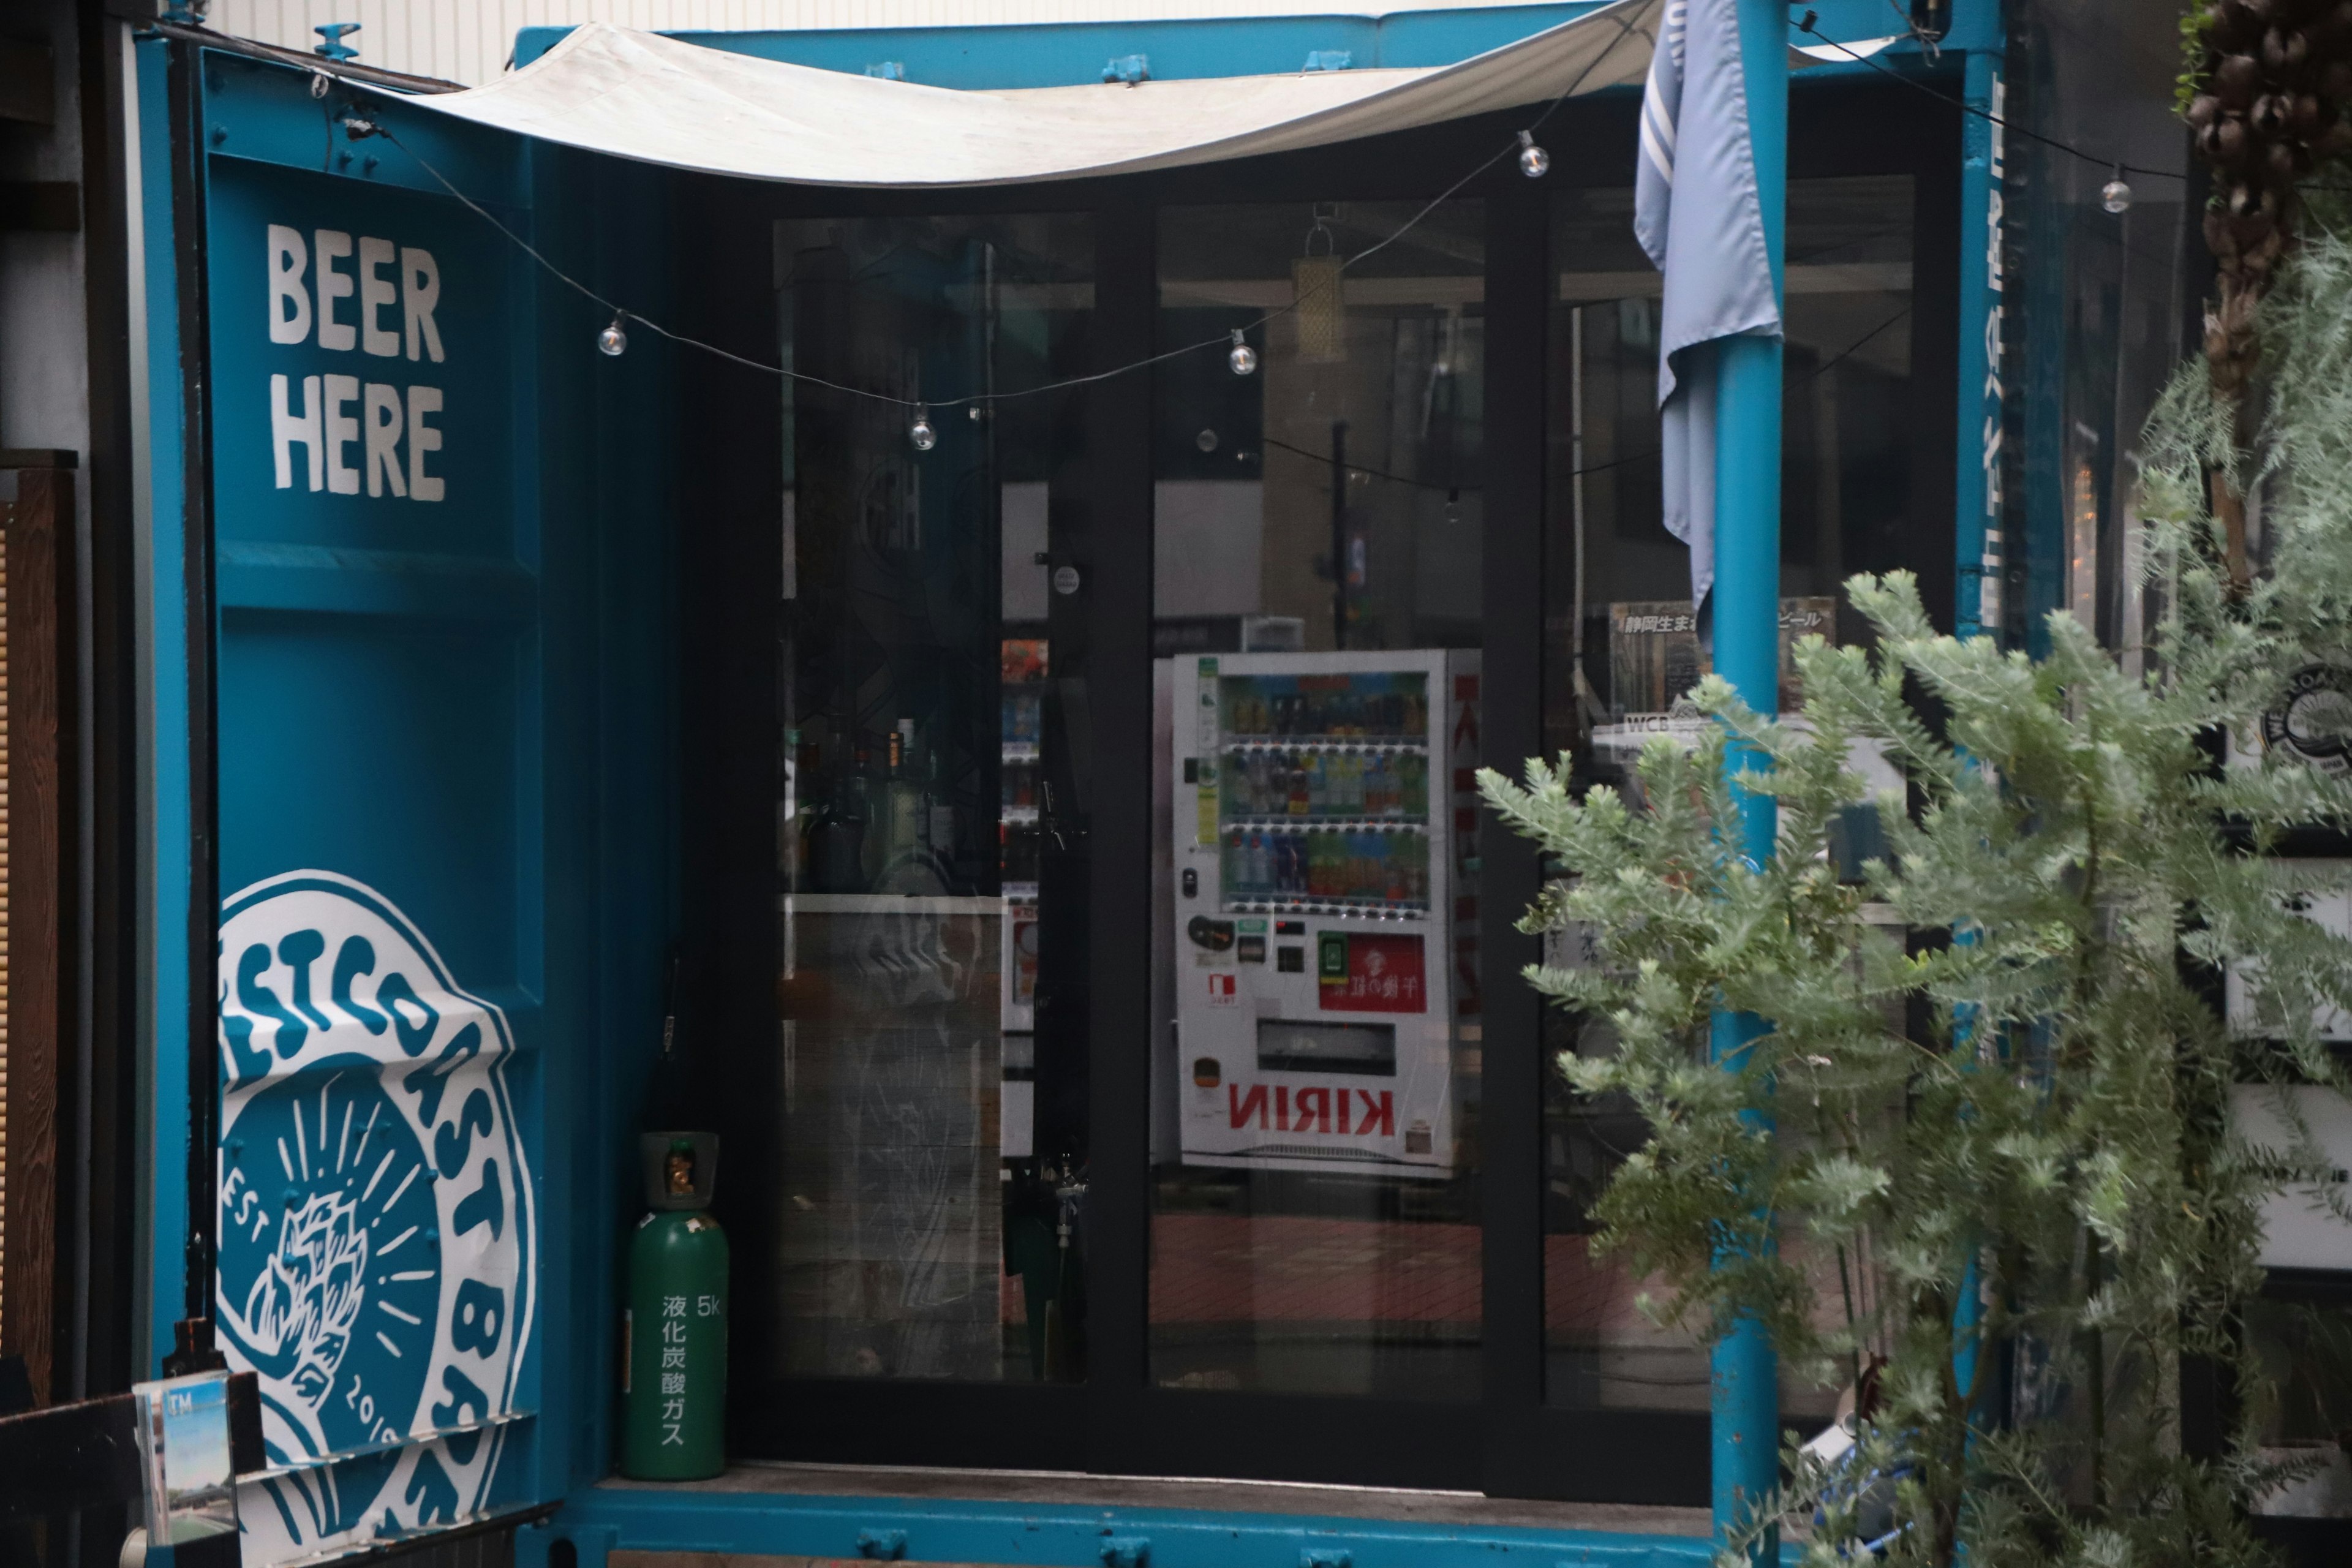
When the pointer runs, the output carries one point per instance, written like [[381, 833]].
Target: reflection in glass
[[929, 1168], [1623, 643], [1318, 527]]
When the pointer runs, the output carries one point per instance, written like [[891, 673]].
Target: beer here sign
[[374, 298]]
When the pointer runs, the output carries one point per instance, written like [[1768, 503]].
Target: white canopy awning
[[660, 100]]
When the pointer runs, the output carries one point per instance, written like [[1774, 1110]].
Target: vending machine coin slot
[[1215, 935]]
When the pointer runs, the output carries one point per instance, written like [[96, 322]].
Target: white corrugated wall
[[469, 40]]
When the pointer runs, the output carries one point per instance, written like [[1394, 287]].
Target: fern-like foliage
[[1997, 1067]]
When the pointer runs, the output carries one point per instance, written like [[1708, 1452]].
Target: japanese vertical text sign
[[382, 965]]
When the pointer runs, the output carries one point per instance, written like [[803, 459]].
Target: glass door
[[927, 1178], [1624, 650], [1138, 1080], [1319, 517]]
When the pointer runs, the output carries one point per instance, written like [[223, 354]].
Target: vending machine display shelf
[[1020, 751], [1312, 823], [1325, 744], [1019, 815], [1383, 911]]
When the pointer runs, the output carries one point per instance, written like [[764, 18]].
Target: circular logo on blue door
[[376, 1225]]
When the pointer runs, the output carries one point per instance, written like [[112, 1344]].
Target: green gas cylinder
[[673, 1335]]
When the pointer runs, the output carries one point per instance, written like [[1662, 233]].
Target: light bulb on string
[[611, 340], [1244, 358], [920, 432], [1534, 162], [2115, 195]]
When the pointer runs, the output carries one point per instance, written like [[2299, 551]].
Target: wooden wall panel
[[31, 816]]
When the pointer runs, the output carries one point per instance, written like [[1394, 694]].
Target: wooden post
[[32, 666]]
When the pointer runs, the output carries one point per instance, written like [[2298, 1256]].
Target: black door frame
[[1507, 1441]]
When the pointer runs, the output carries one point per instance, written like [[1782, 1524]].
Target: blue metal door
[[407, 710], [377, 670]]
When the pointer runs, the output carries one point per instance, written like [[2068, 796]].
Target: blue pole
[[1745, 1394]]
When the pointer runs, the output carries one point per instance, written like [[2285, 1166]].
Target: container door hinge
[[882, 1545], [1126, 1551]]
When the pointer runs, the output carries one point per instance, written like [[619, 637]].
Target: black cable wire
[[1805, 380], [1324, 458], [1806, 25], [358, 126]]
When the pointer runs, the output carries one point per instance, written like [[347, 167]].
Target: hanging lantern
[[1322, 311]]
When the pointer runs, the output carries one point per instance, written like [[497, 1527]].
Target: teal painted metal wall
[[1069, 54], [164, 851], [456, 712]]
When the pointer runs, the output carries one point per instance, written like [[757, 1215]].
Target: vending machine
[[1326, 915]]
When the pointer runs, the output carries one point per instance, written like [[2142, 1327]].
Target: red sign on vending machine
[[1359, 972]]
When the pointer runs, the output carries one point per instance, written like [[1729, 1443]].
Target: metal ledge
[[1061, 1520]]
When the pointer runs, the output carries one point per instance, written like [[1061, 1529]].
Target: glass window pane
[[929, 1162], [1621, 644], [1318, 550]]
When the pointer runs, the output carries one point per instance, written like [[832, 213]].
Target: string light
[[920, 432], [1242, 358], [1534, 162], [1809, 24], [2115, 195]]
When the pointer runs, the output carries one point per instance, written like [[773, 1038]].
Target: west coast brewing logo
[[376, 1230], [2313, 722]]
